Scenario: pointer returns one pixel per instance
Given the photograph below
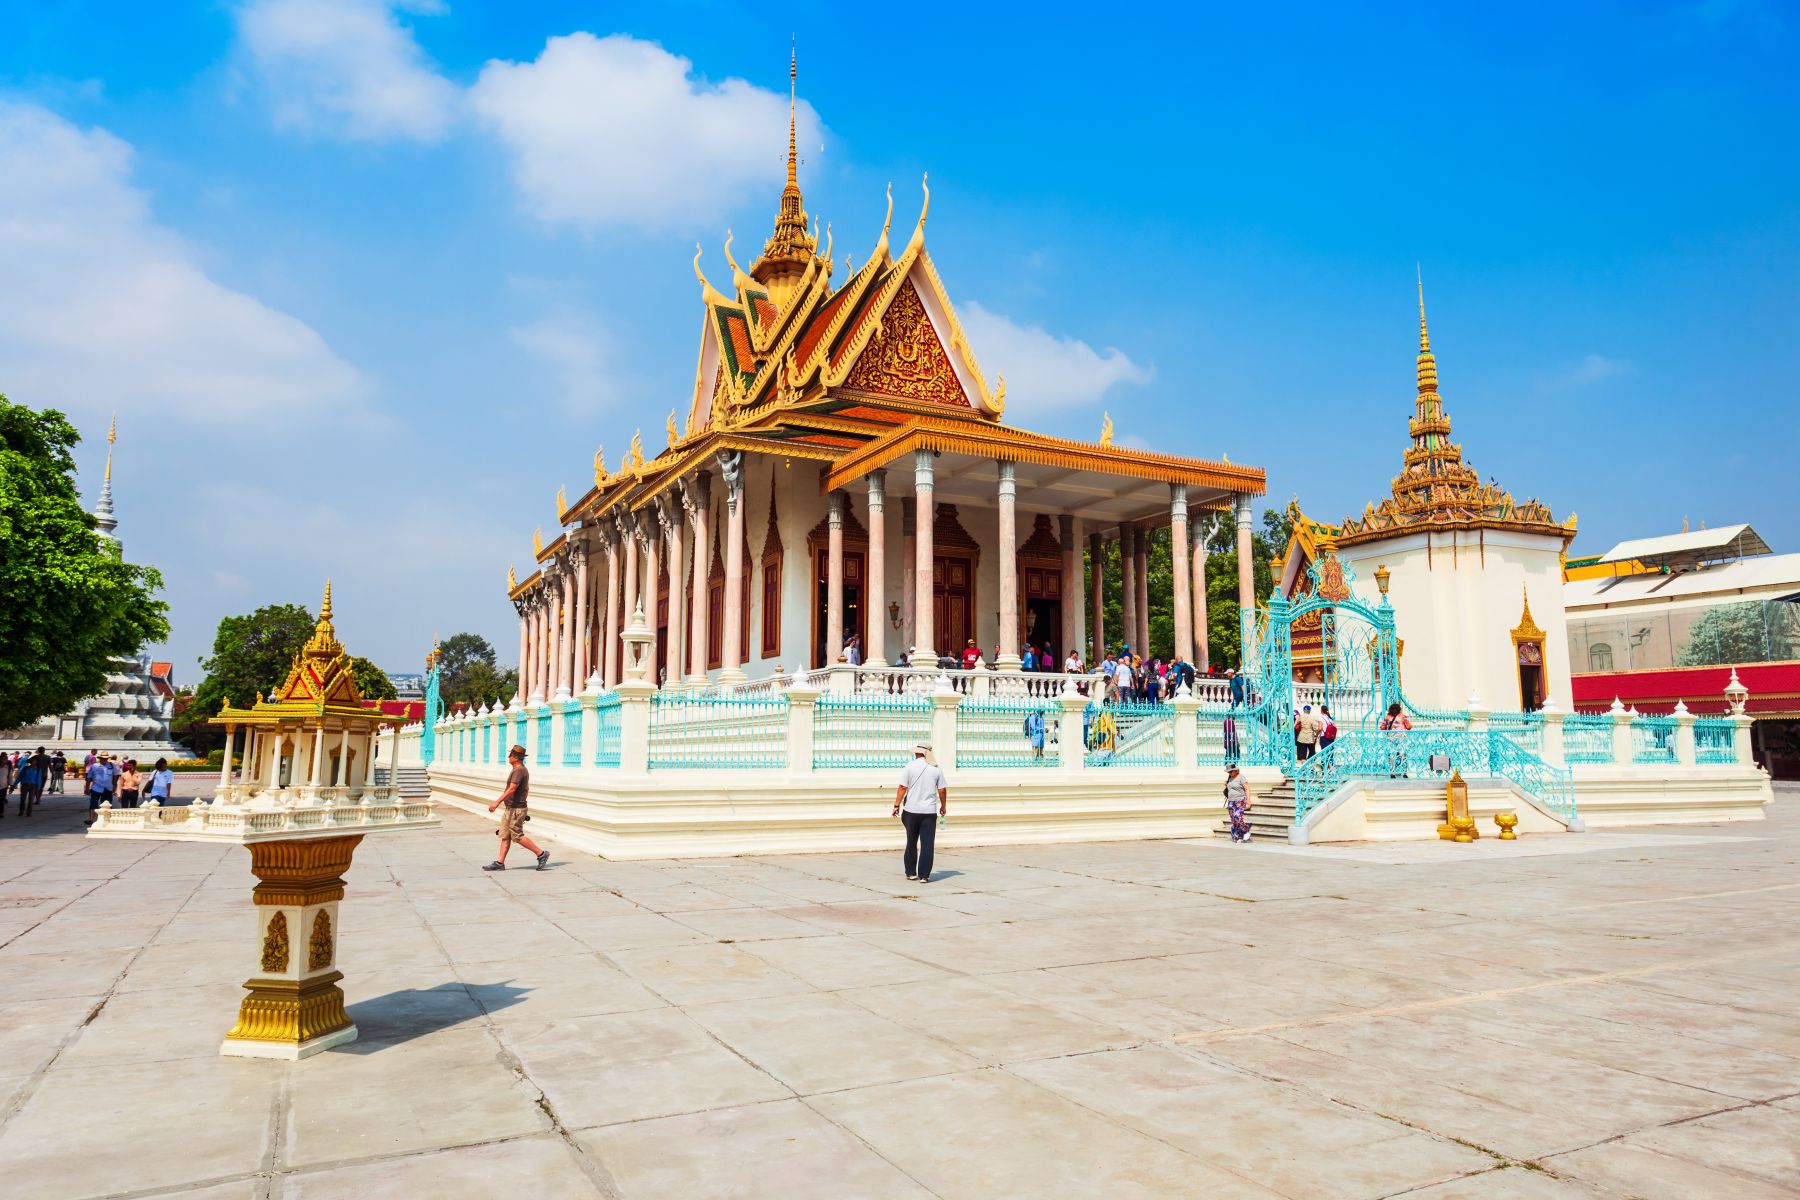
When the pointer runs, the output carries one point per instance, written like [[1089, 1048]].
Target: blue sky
[[366, 282]]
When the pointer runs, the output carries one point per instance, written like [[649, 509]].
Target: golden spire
[[325, 605], [112, 435], [789, 250]]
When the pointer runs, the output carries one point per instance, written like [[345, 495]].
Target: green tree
[[465, 666], [69, 603], [371, 681], [251, 655], [1753, 631], [484, 683]]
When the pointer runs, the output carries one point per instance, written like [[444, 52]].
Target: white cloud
[[109, 310], [1044, 371], [347, 67], [574, 347], [1591, 370], [616, 131]]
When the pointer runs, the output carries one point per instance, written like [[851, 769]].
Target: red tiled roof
[[162, 670], [820, 322], [405, 710]]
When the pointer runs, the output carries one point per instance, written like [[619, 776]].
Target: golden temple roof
[[789, 250], [1436, 489], [319, 684]]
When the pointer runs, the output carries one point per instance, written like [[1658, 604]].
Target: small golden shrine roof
[[1436, 489], [318, 685]]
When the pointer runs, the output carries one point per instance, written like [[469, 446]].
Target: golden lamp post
[[305, 800]]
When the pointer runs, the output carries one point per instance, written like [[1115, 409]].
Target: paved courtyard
[[1596, 1016]]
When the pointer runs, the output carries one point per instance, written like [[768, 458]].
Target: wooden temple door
[[953, 602], [1040, 590], [855, 567], [662, 629]]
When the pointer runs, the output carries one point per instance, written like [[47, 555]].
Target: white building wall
[[1457, 596]]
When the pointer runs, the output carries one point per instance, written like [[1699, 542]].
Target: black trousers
[[921, 835]]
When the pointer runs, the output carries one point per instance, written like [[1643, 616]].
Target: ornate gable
[[906, 358]]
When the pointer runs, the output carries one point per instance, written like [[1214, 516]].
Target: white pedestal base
[[287, 1051]]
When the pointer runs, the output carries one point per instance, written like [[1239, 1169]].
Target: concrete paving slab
[[541, 1166], [823, 1043]]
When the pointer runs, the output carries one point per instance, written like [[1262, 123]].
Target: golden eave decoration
[[1527, 629], [318, 685]]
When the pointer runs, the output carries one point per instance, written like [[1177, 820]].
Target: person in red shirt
[[971, 655]]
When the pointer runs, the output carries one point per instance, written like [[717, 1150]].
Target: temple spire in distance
[[104, 520]]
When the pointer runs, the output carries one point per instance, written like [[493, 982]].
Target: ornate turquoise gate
[[1359, 665]]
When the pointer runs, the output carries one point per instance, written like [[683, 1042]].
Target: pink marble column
[[1073, 631], [1128, 587], [524, 646], [834, 577], [875, 581], [1182, 577], [584, 621], [732, 668], [909, 574], [609, 644], [1202, 650], [540, 604], [1097, 595], [674, 537], [696, 496], [1007, 657], [1141, 637], [565, 632], [924, 654], [652, 586]]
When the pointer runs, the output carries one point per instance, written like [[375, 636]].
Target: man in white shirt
[[922, 797]]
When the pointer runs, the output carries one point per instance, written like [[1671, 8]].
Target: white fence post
[[943, 720], [634, 724], [1551, 751], [1187, 730], [1684, 734], [1071, 733], [1621, 733], [590, 720], [802, 701]]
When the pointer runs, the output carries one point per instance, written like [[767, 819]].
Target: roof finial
[[325, 605], [793, 84], [1424, 337], [112, 435], [104, 521]]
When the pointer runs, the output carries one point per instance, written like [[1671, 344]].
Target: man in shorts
[[512, 821]]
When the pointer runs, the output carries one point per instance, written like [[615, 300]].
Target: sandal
[[543, 859], [496, 865]]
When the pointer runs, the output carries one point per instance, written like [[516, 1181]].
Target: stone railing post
[[1478, 715], [1740, 739], [1684, 734], [943, 721], [1621, 733], [981, 684], [1551, 749], [840, 679], [802, 701], [634, 724], [1071, 735], [1187, 730], [590, 721], [559, 726], [514, 713]]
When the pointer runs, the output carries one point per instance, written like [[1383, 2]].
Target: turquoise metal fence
[[1587, 738], [1216, 736], [1524, 728], [1429, 754], [543, 735], [1019, 732], [1129, 734], [717, 730], [1715, 740], [1652, 739], [869, 730], [572, 733], [606, 730], [487, 740]]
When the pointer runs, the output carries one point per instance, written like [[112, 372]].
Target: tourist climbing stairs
[[1271, 813]]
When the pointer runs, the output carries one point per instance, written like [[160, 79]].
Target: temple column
[[652, 586], [731, 466], [524, 645], [1142, 633], [225, 762], [342, 776], [1097, 596], [535, 640], [1128, 587], [674, 534], [318, 753], [834, 578], [565, 633], [1246, 581], [1202, 651], [609, 647], [875, 573], [909, 575], [1181, 576], [1007, 659], [631, 597], [923, 614], [584, 622], [1073, 631], [546, 638], [696, 497]]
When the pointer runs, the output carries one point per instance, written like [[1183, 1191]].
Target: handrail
[[1409, 754]]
